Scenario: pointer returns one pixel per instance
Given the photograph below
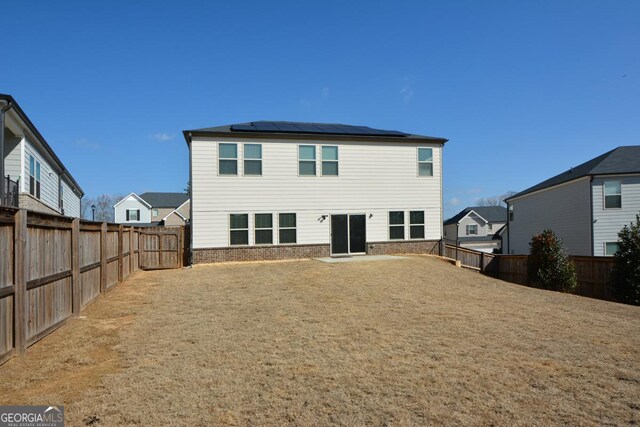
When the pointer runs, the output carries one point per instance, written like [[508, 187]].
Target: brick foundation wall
[[280, 252], [27, 201]]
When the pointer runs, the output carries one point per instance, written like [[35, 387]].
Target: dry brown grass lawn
[[413, 341]]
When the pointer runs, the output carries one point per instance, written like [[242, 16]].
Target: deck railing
[[10, 193]]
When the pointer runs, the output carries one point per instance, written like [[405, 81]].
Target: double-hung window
[[612, 194], [425, 161], [239, 229], [252, 159], [329, 160], [61, 198], [287, 228], [511, 213], [154, 212], [227, 159], [307, 160], [133, 214], [264, 229], [396, 225], [472, 229], [34, 177], [416, 224]]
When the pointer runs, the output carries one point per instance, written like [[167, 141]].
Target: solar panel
[[312, 128]]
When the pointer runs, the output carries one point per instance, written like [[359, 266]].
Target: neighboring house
[[153, 209], [32, 175], [585, 206], [479, 228], [275, 190]]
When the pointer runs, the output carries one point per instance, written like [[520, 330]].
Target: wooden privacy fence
[[52, 267], [593, 273]]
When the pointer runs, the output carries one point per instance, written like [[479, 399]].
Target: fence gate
[[161, 247]]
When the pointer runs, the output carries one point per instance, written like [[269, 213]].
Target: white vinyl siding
[[131, 203], [374, 178], [70, 200], [565, 209], [48, 177], [607, 223], [12, 156]]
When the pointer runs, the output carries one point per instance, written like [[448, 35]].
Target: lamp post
[[93, 212]]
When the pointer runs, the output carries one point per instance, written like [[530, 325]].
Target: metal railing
[[10, 193]]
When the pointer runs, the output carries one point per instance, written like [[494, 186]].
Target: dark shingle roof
[[326, 130], [490, 213], [621, 160], [164, 200]]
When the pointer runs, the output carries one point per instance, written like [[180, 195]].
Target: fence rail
[[52, 267]]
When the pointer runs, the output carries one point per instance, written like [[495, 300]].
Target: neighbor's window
[[61, 201], [264, 229], [612, 194], [154, 212], [472, 229], [425, 161], [253, 159], [239, 229], [307, 160], [396, 225], [416, 224], [133, 214], [329, 160], [510, 212], [610, 248], [228, 159], [34, 177], [490, 227], [287, 228]]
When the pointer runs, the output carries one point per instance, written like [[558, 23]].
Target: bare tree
[[494, 200], [103, 207]]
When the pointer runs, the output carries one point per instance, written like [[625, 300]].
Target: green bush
[[626, 271], [548, 265]]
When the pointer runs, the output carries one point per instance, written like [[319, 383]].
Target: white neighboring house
[[585, 206], [31, 174], [479, 227], [153, 208], [274, 190]]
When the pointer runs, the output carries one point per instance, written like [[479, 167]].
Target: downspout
[[508, 231], [2, 112], [591, 224]]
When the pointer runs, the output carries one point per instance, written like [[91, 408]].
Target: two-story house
[[32, 176], [586, 206], [479, 227], [276, 190], [153, 208]]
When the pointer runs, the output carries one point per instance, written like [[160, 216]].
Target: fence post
[[120, 253], [103, 257], [131, 251], [21, 266], [481, 261], [75, 266]]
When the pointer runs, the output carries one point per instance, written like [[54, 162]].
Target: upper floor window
[[612, 194], [154, 212], [490, 226], [510, 212], [416, 224], [307, 160], [610, 248], [425, 161], [287, 225], [472, 229], [34, 177], [239, 229], [227, 159], [329, 160], [252, 159], [264, 229], [133, 214], [396, 225], [61, 198]]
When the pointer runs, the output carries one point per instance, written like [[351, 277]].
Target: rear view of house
[[585, 206], [273, 190], [33, 177], [480, 228], [153, 208]]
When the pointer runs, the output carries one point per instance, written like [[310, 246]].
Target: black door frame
[[348, 234]]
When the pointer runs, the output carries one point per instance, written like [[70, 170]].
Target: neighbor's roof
[[23, 116], [164, 200], [490, 213], [621, 160], [275, 129]]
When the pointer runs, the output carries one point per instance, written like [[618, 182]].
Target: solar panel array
[[314, 128]]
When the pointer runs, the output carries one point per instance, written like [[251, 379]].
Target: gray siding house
[[585, 206], [31, 174], [153, 208], [479, 227]]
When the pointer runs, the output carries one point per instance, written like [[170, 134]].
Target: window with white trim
[[610, 248], [227, 159], [133, 214], [329, 160], [252, 159], [34, 177], [307, 160], [154, 212], [511, 213], [416, 224], [472, 229], [264, 229], [613, 194], [396, 225], [425, 161], [287, 228], [238, 229]]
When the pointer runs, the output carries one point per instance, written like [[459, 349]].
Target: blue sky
[[523, 90]]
